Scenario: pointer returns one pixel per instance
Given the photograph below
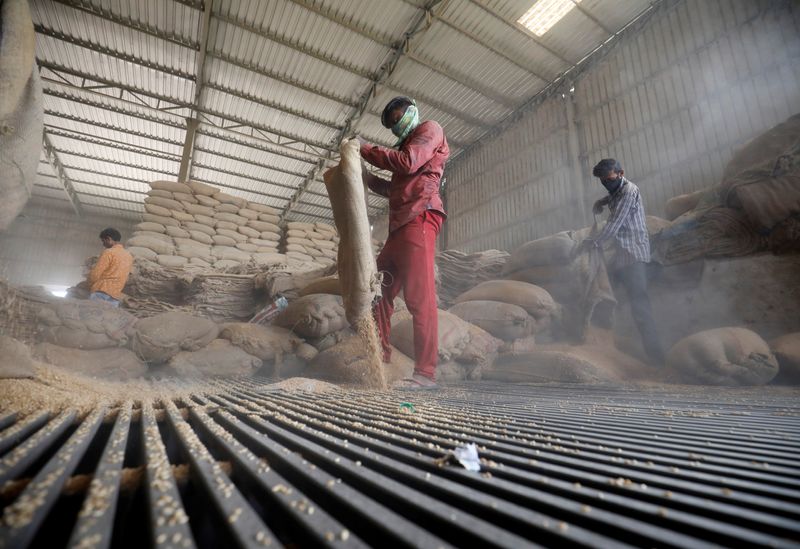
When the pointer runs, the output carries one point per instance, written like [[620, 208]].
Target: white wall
[[48, 244], [671, 102]]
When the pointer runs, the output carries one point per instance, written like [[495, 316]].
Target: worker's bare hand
[[598, 207]]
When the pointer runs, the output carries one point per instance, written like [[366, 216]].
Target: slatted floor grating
[[250, 466]]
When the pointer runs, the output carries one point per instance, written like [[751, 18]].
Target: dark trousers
[[634, 278]]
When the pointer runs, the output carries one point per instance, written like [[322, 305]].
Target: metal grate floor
[[561, 466]]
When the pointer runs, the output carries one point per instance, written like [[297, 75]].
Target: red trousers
[[407, 261]]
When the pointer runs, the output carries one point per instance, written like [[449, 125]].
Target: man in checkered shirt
[[627, 231]]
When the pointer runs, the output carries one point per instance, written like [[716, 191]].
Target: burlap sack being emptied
[[160, 337], [358, 274]]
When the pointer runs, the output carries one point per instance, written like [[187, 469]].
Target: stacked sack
[[317, 242], [194, 224]]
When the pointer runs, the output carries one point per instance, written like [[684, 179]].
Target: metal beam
[[114, 162], [592, 18], [244, 143], [283, 79], [83, 193], [185, 171], [518, 30], [418, 25], [98, 185], [41, 29], [127, 23], [111, 143], [88, 205], [110, 127], [58, 169], [387, 42]]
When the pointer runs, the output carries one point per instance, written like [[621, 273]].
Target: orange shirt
[[111, 272]]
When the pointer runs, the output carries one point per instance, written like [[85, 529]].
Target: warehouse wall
[[671, 102], [47, 244]]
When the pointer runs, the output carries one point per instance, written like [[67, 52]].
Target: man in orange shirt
[[110, 274]]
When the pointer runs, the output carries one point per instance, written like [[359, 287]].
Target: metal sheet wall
[[47, 244], [672, 103]]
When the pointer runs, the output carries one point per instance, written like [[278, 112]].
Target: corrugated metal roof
[[281, 82]]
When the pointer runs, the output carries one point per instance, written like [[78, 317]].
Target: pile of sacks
[[755, 207], [97, 340], [317, 242], [194, 224], [458, 271]]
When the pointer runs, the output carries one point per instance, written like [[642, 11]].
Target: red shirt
[[416, 168]]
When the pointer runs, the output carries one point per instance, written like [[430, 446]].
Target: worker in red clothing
[[416, 215]]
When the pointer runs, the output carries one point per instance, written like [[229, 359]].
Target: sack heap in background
[[317, 242], [458, 271], [196, 225]]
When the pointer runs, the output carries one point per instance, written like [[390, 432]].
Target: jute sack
[[679, 205], [157, 210], [150, 227], [265, 259], [75, 338], [171, 186], [324, 244], [319, 226], [201, 236], [202, 189], [313, 315], [269, 218], [202, 227], [262, 242], [536, 301], [199, 262], [226, 198], [358, 275], [162, 194], [348, 362], [330, 254], [15, 359], [557, 249], [226, 264], [157, 236], [454, 336], [262, 208], [115, 364], [281, 352], [235, 235], [171, 260], [248, 231], [161, 220], [183, 197], [248, 213], [207, 201], [221, 240], [294, 233], [227, 252], [300, 225], [311, 235], [80, 318], [502, 320], [160, 337], [315, 253], [296, 248], [227, 208], [17, 52], [269, 235], [182, 216], [300, 256], [167, 203], [267, 250], [177, 232], [786, 349], [324, 285], [218, 358], [205, 220], [191, 248], [263, 226], [197, 209], [246, 247], [545, 366], [155, 244], [144, 253], [229, 225], [723, 356]]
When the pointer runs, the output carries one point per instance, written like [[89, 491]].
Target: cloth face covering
[[612, 185], [406, 124]]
